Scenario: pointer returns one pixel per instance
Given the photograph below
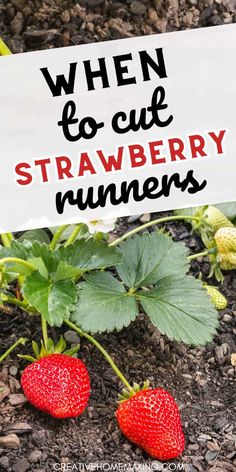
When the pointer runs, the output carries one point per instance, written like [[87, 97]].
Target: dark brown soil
[[33, 24], [201, 380]]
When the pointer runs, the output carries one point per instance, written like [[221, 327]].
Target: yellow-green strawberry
[[218, 300], [225, 239], [228, 261], [216, 219]]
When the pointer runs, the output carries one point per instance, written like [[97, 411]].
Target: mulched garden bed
[[200, 379]]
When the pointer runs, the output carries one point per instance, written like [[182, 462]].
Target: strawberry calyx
[[214, 258], [127, 394], [50, 348]]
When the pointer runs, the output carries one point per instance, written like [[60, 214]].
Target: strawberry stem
[[73, 236], [151, 223], [45, 332], [57, 236], [26, 264], [103, 351], [20, 303], [6, 239], [199, 254], [17, 343]]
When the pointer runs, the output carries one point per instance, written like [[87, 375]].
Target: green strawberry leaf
[[38, 263], [65, 271], [50, 258], [35, 235], [103, 304], [20, 250], [5, 252], [180, 308], [54, 300], [149, 258], [191, 211], [90, 255], [229, 209]]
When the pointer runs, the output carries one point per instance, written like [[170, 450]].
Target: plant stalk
[[103, 351], [26, 264], [73, 236], [57, 236], [44, 331], [6, 239], [17, 343], [196, 256], [10, 236], [15, 301], [151, 223]]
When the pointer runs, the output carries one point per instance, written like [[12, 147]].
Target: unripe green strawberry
[[225, 239], [216, 219], [150, 419], [57, 384], [228, 261], [218, 300]]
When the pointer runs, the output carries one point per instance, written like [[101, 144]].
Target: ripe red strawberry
[[57, 384], [150, 419]]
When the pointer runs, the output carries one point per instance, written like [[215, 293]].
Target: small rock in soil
[[17, 24], [39, 438], [35, 456], [145, 218], [137, 8], [232, 5], [211, 456], [34, 39], [133, 218], [22, 465], [213, 446], [13, 370], [233, 359], [71, 337], [17, 399], [4, 391], [190, 468], [9, 442], [4, 463], [14, 384], [17, 428], [219, 355]]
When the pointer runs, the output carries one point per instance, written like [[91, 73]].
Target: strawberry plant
[[148, 273], [216, 228], [77, 279]]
